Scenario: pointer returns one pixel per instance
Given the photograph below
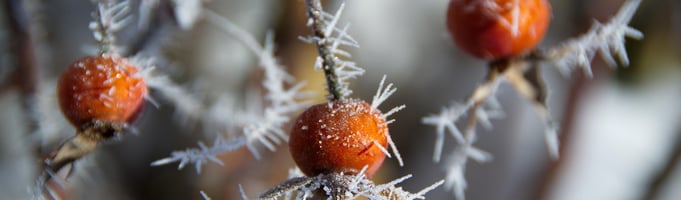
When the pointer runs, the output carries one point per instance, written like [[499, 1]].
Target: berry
[[494, 29], [103, 88], [339, 136]]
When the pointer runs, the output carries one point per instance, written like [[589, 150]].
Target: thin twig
[[314, 11]]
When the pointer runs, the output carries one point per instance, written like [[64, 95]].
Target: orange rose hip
[[494, 29], [104, 88], [339, 136]]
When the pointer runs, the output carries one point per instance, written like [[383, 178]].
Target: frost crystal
[[383, 94], [205, 196]]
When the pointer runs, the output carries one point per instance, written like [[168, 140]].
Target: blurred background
[[620, 131]]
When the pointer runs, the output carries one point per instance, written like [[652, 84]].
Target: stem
[[469, 133], [85, 142], [314, 11]]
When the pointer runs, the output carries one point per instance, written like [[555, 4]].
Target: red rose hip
[[494, 29], [104, 88], [339, 136]]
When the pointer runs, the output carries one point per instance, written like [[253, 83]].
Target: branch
[[336, 70], [264, 126], [607, 39], [523, 74]]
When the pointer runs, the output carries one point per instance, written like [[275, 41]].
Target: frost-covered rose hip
[[494, 29], [339, 136], [104, 88]]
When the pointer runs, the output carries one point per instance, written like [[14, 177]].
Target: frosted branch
[[329, 39], [445, 121], [261, 125], [201, 155], [523, 74], [606, 39]]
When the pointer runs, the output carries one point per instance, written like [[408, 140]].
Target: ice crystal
[[205, 196], [383, 94]]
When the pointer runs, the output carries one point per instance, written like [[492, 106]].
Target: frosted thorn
[[380, 147]]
